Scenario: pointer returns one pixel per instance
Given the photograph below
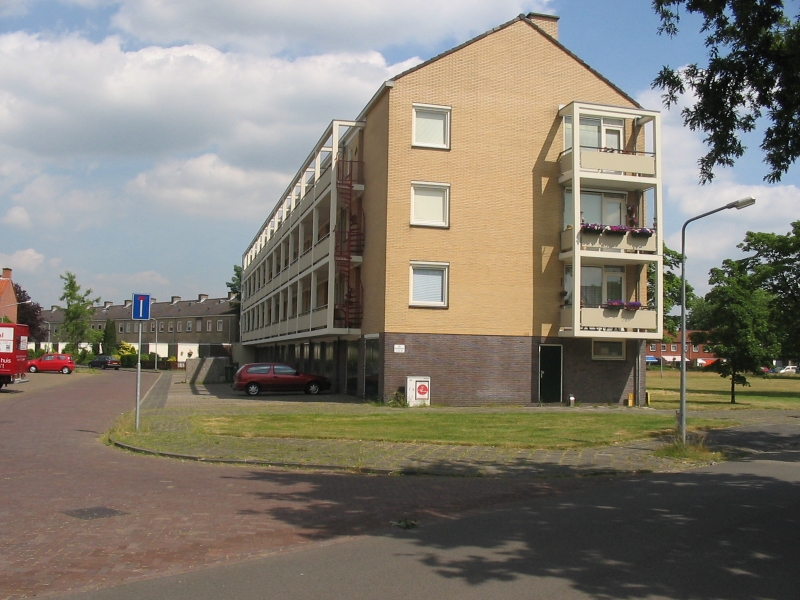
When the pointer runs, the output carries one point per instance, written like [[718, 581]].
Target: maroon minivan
[[276, 377]]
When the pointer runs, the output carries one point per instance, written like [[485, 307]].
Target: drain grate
[[95, 512]]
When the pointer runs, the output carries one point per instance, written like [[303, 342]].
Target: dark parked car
[[52, 362], [255, 378], [105, 362]]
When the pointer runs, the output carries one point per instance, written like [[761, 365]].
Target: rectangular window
[[169, 327], [188, 327], [152, 327], [706, 350], [161, 327], [608, 350], [596, 133], [599, 285], [208, 325], [127, 327], [179, 326], [121, 328], [428, 284], [674, 347], [219, 325], [431, 126], [430, 204], [136, 328], [695, 348], [663, 347], [652, 347], [199, 326], [598, 208]]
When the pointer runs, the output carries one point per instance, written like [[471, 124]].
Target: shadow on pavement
[[727, 532]]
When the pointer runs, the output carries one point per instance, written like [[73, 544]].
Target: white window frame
[[415, 185], [170, 327], [219, 325], [208, 325], [605, 340], [443, 266], [652, 347], [127, 327], [179, 327], [433, 108], [189, 326]]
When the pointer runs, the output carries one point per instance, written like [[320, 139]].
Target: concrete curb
[[268, 463]]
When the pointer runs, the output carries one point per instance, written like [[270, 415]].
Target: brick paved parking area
[[76, 514]]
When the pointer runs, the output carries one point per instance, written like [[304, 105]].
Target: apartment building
[[463, 229], [181, 328]]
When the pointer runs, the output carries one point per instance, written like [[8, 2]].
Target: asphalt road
[[729, 531]]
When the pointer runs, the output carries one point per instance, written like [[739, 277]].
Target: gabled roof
[[528, 21], [186, 309]]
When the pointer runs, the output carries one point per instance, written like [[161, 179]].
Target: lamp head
[[743, 203]]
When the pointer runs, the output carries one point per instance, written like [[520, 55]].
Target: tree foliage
[[672, 289], [30, 314], [753, 72], [735, 319], [775, 266], [109, 340], [78, 313], [235, 284]]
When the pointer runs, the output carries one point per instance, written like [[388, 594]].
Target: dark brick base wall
[[464, 369], [596, 381]]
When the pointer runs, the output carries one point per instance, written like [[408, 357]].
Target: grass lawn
[[503, 428], [705, 391]]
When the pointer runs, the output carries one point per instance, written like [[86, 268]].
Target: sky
[[143, 142]]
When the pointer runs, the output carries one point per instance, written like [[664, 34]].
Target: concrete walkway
[[172, 398]]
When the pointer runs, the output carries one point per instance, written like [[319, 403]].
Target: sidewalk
[[172, 398]]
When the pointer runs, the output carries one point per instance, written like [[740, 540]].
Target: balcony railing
[[609, 318], [629, 162]]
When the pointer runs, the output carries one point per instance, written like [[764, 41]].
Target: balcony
[[629, 241]]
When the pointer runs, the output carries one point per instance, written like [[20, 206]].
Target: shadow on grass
[[727, 534]]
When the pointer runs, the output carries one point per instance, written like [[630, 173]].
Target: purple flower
[[615, 304], [592, 228], [633, 305]]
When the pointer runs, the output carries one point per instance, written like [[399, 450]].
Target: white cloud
[[17, 215], [308, 27], [208, 186], [27, 261], [119, 286]]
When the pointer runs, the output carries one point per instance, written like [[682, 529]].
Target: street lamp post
[[738, 204]]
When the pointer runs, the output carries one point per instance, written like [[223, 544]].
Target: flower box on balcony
[[616, 230], [592, 228], [615, 304], [633, 305]]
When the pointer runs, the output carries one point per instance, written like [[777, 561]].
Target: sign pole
[[138, 376], [140, 311]]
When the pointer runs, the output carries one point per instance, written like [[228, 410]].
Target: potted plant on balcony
[[615, 304], [633, 305], [592, 228], [645, 232]]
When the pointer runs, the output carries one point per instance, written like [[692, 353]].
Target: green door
[[550, 373]]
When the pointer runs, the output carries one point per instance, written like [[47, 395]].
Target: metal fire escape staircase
[[348, 310]]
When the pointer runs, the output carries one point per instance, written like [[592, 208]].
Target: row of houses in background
[[206, 327], [697, 355]]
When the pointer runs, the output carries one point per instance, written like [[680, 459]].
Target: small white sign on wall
[[400, 348]]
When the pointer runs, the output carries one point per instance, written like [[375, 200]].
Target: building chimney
[[202, 297], [175, 299], [232, 296], [54, 308], [152, 300], [547, 23], [6, 273], [108, 304], [127, 303]]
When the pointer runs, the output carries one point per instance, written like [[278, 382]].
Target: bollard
[[571, 400]]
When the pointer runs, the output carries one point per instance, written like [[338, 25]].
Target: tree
[[735, 321], [776, 267], [30, 314], [78, 313], [109, 340], [753, 71], [235, 284], [672, 289]]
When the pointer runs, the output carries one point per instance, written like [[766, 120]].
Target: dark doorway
[[372, 366], [550, 373]]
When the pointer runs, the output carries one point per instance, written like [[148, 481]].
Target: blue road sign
[[140, 309]]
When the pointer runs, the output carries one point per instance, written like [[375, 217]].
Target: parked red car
[[255, 378], [52, 362]]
